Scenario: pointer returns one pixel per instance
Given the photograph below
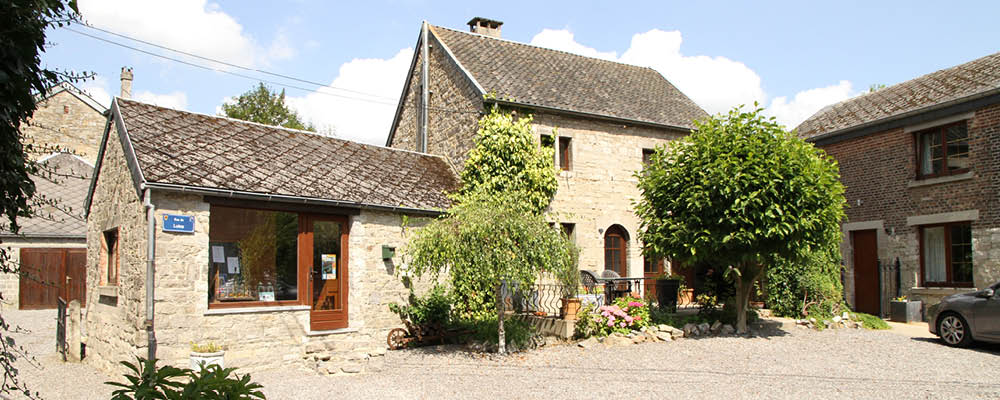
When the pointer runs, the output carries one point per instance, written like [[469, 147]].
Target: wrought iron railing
[[621, 287]]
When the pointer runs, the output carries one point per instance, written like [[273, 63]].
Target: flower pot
[[685, 296], [905, 311], [206, 359], [570, 307], [666, 293]]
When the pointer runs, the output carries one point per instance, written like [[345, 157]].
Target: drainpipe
[[150, 271], [424, 90]]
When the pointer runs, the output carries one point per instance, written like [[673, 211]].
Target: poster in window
[[233, 264], [329, 266], [218, 254]]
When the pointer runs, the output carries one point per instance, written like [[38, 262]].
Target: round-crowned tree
[[739, 192]]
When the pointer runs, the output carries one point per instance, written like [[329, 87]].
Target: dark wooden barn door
[[866, 288], [47, 274]]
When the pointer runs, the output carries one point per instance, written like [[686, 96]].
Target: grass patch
[[870, 321]]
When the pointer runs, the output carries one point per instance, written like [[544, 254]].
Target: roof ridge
[[544, 48], [293, 130]]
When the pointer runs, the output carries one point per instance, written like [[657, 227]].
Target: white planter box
[[206, 359]]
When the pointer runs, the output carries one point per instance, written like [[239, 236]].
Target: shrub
[[870, 321], [625, 315], [146, 381], [810, 283], [434, 308]]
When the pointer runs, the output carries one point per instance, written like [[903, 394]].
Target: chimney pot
[[126, 83], [485, 26]]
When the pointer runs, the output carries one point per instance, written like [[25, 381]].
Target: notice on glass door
[[233, 264], [218, 254], [329, 266]]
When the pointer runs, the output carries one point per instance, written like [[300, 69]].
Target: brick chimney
[[126, 83], [483, 26]]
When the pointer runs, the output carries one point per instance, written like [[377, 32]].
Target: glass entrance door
[[328, 273]]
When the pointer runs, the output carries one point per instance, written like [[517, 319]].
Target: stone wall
[[600, 188], [882, 192], [115, 314], [65, 121], [10, 283]]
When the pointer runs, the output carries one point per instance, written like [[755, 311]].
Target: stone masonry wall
[[65, 121], [10, 283], [600, 188], [455, 108], [879, 172], [115, 314]]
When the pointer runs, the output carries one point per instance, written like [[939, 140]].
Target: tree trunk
[[748, 274], [502, 345]]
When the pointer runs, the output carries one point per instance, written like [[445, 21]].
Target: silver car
[[963, 318]]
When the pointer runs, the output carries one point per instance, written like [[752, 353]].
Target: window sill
[[107, 291], [939, 180], [254, 310], [941, 291]]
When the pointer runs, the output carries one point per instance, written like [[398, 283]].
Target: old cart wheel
[[954, 330], [396, 339]]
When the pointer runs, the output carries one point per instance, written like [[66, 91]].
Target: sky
[[349, 59]]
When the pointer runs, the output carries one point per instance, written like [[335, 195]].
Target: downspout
[[424, 90], [150, 270]]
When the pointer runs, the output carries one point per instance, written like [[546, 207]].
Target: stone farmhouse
[[602, 117], [276, 244], [50, 247], [921, 164]]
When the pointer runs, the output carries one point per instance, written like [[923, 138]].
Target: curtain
[[934, 261]]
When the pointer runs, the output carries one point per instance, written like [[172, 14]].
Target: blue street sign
[[178, 223]]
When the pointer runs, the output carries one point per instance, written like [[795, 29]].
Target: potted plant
[[569, 280], [904, 310], [667, 289], [206, 354]]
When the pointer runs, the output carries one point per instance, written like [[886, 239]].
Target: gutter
[[238, 194], [150, 270], [587, 114]]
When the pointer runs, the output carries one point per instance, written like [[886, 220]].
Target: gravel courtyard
[[787, 362]]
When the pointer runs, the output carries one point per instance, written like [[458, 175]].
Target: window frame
[[949, 271], [941, 131], [565, 150], [112, 256]]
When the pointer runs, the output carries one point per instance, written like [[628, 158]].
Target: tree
[[741, 192], [262, 106], [495, 233], [22, 40], [507, 159]]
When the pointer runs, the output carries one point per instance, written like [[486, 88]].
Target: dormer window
[[943, 150]]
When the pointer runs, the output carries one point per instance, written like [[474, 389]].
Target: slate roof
[[63, 178], [183, 148], [532, 75], [937, 88]]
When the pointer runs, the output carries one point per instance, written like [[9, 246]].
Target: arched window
[[615, 249]]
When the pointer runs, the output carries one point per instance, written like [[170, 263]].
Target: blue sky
[[793, 57]]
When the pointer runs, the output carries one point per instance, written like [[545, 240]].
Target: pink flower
[[611, 323], [622, 324], [634, 304]]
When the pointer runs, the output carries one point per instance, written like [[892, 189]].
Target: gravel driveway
[[787, 363]]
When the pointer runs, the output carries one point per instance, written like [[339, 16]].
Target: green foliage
[[739, 191], [434, 308], [209, 347], [810, 282], [870, 321], [507, 159], [147, 381], [263, 106], [517, 333], [483, 242]]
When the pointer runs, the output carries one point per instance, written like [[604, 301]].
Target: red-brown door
[[615, 251], [866, 288], [47, 274], [651, 268], [325, 253]]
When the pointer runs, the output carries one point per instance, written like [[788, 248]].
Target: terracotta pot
[[570, 307], [685, 296]]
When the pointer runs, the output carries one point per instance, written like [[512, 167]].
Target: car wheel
[[954, 331]]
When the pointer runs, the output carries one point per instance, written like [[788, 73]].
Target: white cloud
[[563, 40], [807, 102], [98, 89], [717, 83], [176, 100], [194, 26], [349, 118]]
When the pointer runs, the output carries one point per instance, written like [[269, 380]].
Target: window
[[548, 142], [615, 240], [109, 257], [565, 158], [567, 229], [943, 150], [647, 155], [946, 254], [253, 255]]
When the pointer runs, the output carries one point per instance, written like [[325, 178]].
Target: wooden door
[[75, 287], [866, 286], [651, 269], [325, 252], [48, 274], [615, 251]]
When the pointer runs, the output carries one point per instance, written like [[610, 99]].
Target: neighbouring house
[[603, 118], [277, 244], [920, 161], [49, 249]]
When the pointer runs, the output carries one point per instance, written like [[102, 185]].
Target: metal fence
[[61, 327]]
